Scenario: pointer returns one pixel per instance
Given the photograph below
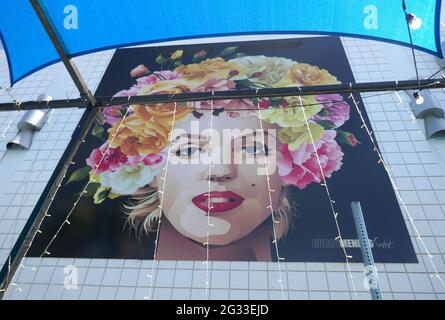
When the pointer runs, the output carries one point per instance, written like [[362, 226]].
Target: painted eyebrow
[[190, 137]]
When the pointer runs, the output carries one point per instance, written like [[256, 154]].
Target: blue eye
[[256, 149], [188, 151]]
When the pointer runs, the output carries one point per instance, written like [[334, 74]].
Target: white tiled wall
[[415, 163]]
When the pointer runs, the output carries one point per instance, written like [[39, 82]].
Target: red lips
[[219, 201]]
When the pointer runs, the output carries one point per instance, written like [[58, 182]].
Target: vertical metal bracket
[[368, 259]]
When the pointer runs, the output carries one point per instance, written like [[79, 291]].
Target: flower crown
[[134, 149]]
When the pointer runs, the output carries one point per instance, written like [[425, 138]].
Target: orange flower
[[163, 112], [309, 75], [198, 73], [137, 137]]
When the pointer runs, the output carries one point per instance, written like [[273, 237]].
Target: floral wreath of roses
[[134, 151]]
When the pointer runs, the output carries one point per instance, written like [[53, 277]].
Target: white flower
[[128, 179], [272, 69]]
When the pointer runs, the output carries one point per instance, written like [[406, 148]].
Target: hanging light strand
[[18, 108], [24, 184], [270, 207], [335, 213], [209, 204], [46, 251], [405, 106], [161, 205], [397, 191]]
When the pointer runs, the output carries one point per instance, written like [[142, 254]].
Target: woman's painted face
[[239, 190]]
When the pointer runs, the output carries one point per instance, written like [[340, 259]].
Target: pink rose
[[114, 113], [106, 159], [300, 167], [153, 159], [215, 85], [335, 109], [351, 139], [264, 103], [139, 71], [146, 81], [235, 108]]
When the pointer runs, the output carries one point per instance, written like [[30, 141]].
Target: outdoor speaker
[[32, 121]]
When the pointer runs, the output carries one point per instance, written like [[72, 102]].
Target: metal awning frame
[[92, 104], [88, 100]]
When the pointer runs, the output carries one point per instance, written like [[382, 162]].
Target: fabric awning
[[84, 26]]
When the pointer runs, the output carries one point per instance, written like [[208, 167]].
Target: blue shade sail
[[85, 26]]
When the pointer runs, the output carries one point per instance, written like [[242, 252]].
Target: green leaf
[[228, 51], [326, 124], [101, 194], [161, 60], [79, 174], [199, 56], [275, 102], [240, 55], [244, 83], [98, 131], [177, 64]]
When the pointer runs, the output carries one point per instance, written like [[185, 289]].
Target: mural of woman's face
[[239, 190]]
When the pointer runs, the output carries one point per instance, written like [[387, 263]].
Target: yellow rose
[[165, 87], [137, 137], [177, 54], [307, 75], [296, 136], [198, 73], [293, 115]]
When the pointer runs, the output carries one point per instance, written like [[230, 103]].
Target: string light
[[270, 206], [91, 180], [209, 198], [407, 108], [396, 190], [161, 205], [24, 184], [51, 200], [8, 276], [335, 213], [18, 104], [13, 118]]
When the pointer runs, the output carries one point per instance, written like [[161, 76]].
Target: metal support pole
[[345, 88], [368, 259], [70, 66]]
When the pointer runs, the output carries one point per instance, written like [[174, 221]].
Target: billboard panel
[[240, 179]]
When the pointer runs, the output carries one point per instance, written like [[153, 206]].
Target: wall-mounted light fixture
[[425, 106], [32, 121]]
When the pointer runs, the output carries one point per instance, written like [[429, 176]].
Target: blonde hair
[[143, 212]]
